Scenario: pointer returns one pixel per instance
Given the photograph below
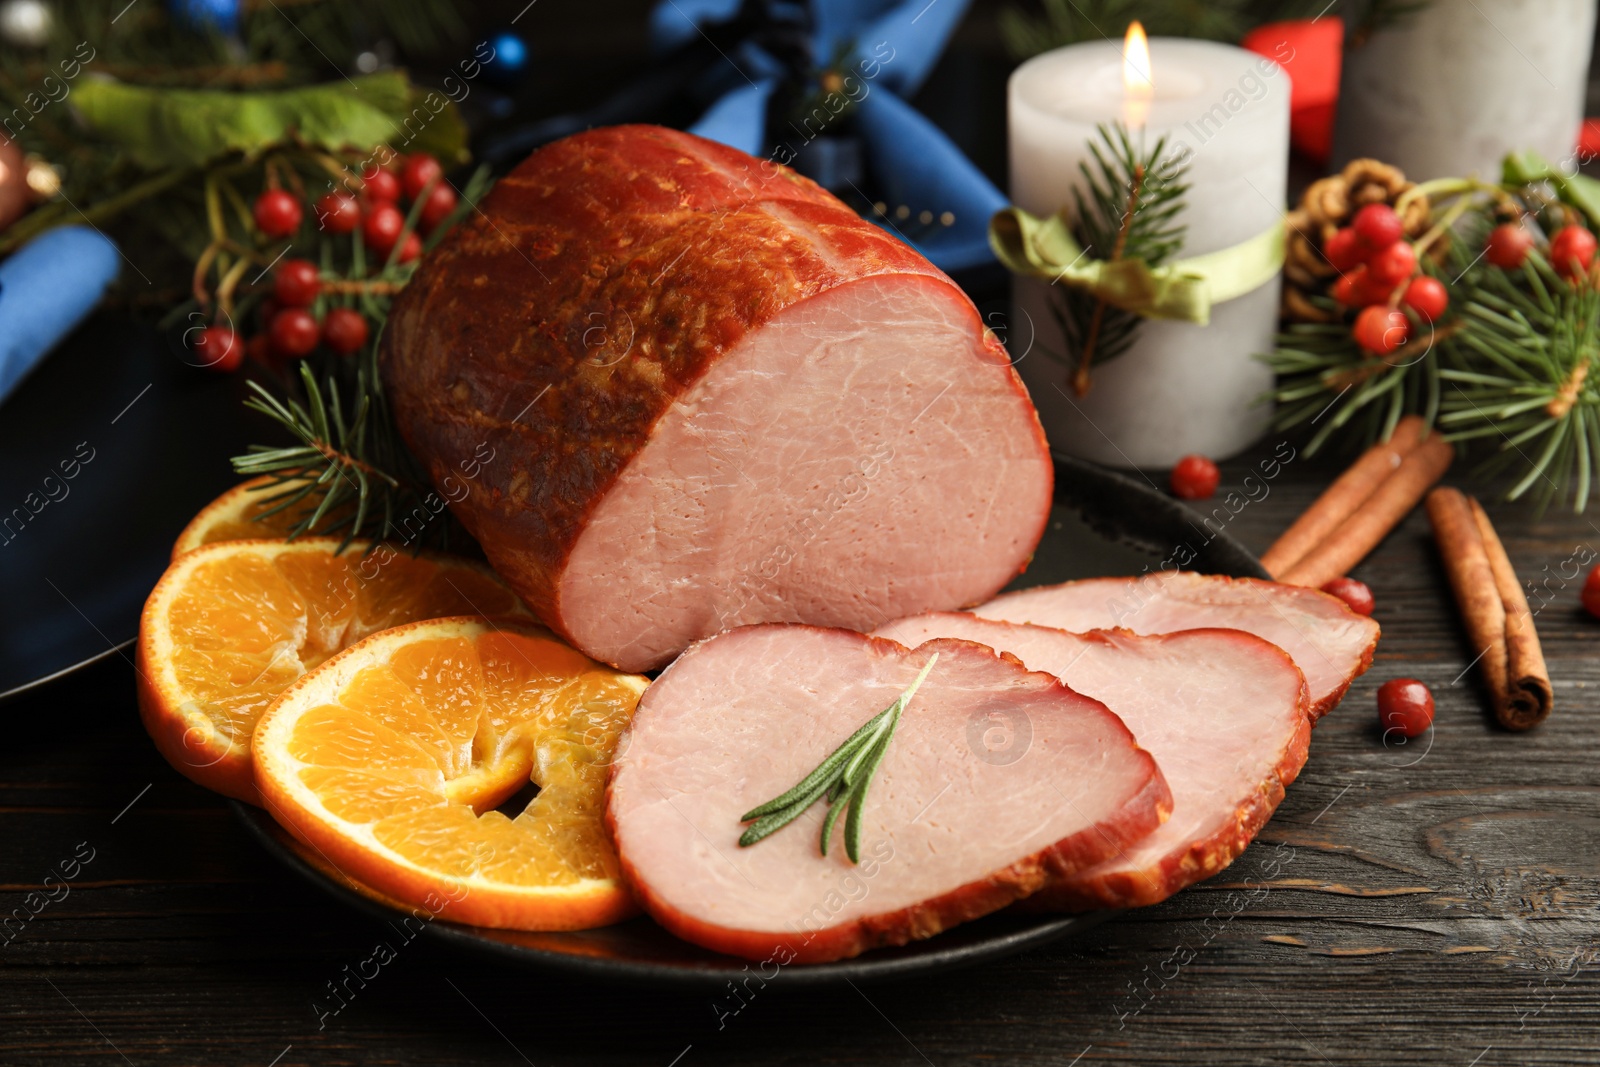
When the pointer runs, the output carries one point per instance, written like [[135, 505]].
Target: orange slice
[[389, 759], [232, 624], [233, 516]]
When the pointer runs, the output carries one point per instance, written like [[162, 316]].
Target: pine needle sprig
[[348, 475], [1530, 387], [1127, 207]]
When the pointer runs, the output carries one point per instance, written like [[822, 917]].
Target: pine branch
[[1127, 207]]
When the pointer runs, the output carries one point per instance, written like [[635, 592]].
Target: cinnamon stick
[[1494, 610], [1340, 500], [1351, 540]]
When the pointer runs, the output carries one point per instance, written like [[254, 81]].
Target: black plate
[[76, 568], [1104, 524], [146, 439]]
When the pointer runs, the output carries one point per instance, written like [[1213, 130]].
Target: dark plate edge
[[861, 969]]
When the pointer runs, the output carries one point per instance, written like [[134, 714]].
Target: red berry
[[438, 206], [1405, 705], [338, 213], [381, 228], [1195, 478], [1347, 288], [219, 348], [1394, 264], [344, 331], [411, 249], [1381, 330], [277, 214], [1508, 246], [1377, 226], [418, 171], [1352, 592], [293, 332], [1591, 593], [1343, 250], [296, 285], [1427, 297], [1571, 251], [380, 186]]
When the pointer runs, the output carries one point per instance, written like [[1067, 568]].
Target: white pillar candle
[[1180, 388], [1452, 87]]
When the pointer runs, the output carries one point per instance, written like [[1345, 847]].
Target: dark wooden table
[[1435, 903]]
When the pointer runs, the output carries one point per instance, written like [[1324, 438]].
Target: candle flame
[[1138, 86]]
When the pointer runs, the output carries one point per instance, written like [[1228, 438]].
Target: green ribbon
[[1184, 289]]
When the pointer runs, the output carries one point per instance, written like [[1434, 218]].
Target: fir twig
[[1125, 208]]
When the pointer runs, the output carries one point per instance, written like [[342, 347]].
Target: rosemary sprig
[[843, 778]]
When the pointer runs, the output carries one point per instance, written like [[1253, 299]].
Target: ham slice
[[1331, 644], [1222, 711], [954, 826], [673, 389]]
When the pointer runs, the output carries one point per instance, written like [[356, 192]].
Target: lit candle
[[1182, 387]]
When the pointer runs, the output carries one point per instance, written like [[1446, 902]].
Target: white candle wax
[[1181, 388], [1452, 87]]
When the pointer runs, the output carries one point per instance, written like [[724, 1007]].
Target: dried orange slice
[[389, 760], [231, 624], [233, 516]]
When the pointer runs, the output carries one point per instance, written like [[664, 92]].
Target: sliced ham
[[672, 389], [1223, 712], [1331, 644], [955, 824]]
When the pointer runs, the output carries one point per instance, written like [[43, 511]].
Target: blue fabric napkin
[[47, 287], [892, 47]]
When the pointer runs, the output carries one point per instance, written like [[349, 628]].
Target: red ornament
[[1508, 246], [380, 186], [338, 213], [438, 206], [277, 214], [1377, 226], [1310, 50], [1394, 264], [1571, 251], [219, 348], [344, 331], [293, 332], [1427, 297], [1343, 249], [1381, 330], [381, 228], [1591, 593], [1195, 478], [418, 171], [411, 249], [295, 284], [1405, 705], [1352, 592]]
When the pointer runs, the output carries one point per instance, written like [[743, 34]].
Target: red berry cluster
[[290, 329], [1571, 249], [1378, 273], [377, 213]]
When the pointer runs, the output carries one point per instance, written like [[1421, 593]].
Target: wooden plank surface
[[1436, 903]]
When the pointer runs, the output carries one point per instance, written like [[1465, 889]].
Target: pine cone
[[1328, 204]]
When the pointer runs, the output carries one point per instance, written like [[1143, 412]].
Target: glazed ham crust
[[584, 311]]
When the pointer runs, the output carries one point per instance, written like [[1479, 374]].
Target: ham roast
[[1223, 712], [672, 389], [953, 826], [1331, 644]]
